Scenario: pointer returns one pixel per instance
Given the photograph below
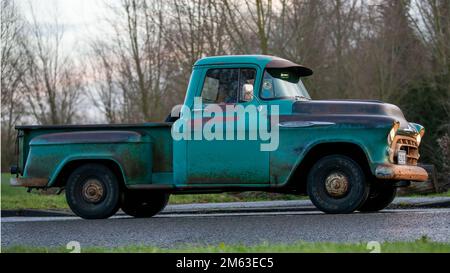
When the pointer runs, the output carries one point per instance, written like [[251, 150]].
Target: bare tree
[[433, 27], [194, 28], [105, 93], [300, 34], [389, 52], [138, 60], [12, 71], [248, 22], [342, 25], [53, 82]]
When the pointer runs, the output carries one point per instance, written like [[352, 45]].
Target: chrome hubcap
[[336, 184], [92, 191]]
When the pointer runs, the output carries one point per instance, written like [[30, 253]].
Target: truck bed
[[159, 133]]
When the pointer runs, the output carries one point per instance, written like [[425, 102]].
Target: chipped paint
[[31, 182], [401, 172]]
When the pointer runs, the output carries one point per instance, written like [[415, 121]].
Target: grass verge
[[442, 194], [419, 246], [19, 198]]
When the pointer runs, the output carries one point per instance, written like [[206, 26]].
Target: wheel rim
[[93, 191], [336, 185]]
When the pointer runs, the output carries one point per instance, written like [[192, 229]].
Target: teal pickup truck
[[247, 124]]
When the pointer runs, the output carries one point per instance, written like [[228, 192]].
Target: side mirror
[[247, 92]]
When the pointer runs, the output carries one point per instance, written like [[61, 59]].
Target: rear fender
[[50, 154], [80, 160]]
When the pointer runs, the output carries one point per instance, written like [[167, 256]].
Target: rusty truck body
[[346, 155]]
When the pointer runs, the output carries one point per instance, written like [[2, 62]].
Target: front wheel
[[93, 192], [380, 197], [141, 204], [337, 184]]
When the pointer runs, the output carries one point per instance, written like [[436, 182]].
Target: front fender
[[296, 144]]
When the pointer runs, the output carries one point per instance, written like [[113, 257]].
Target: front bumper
[[401, 172], [28, 182]]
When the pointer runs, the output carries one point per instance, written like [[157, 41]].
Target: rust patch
[[39, 166], [151, 187], [408, 144], [28, 182], [401, 172], [216, 180], [133, 165]]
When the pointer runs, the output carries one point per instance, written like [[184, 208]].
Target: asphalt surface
[[247, 223], [267, 206]]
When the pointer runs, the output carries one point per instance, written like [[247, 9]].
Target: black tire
[[337, 184], [93, 192], [380, 196], [143, 204]]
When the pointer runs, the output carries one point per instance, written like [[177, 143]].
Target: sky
[[80, 14], [82, 19]]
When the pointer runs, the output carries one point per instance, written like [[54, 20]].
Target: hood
[[351, 111]]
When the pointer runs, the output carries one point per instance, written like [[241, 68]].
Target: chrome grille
[[407, 144]]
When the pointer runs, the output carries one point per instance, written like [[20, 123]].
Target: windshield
[[283, 83]]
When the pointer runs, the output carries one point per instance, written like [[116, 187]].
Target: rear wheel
[[380, 197], [92, 192], [143, 204], [337, 184]]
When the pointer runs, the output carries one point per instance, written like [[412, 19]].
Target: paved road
[[234, 227]]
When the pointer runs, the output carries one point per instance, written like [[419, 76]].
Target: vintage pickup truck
[[346, 155]]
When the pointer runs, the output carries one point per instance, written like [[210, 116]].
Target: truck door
[[226, 160]]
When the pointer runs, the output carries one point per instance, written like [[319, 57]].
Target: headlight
[[393, 132], [420, 136]]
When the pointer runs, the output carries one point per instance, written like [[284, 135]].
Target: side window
[[267, 91], [225, 84], [220, 86]]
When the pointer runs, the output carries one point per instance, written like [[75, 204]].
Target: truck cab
[[247, 123]]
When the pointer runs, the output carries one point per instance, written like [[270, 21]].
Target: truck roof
[[264, 61], [261, 60]]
